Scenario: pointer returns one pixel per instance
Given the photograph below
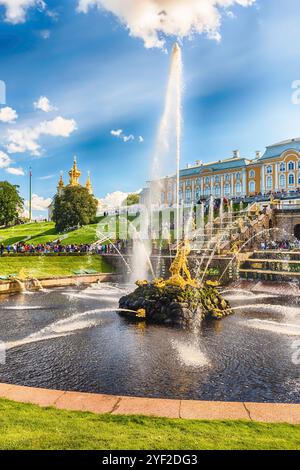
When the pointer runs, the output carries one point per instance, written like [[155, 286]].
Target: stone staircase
[[271, 266], [234, 229]]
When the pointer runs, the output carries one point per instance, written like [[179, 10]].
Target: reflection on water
[[73, 339]]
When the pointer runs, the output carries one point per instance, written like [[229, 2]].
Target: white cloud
[[44, 104], [45, 33], [5, 160], [15, 10], [39, 203], [27, 139], [113, 200], [47, 177], [117, 133], [126, 138], [15, 171], [150, 20], [8, 115]]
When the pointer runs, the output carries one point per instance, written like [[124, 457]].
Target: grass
[[51, 266], [11, 235], [43, 232], [27, 427]]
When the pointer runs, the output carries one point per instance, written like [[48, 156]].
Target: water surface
[[72, 339]]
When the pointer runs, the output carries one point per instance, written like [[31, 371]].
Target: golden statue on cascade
[[181, 275]]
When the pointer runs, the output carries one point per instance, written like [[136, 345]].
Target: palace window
[[207, 191], [162, 197], [227, 190], [269, 182], [299, 180], [252, 187], [217, 191], [188, 195], [238, 176], [238, 188], [269, 170], [207, 180], [291, 166], [180, 196], [299, 164], [217, 179], [282, 181], [198, 194], [252, 174], [227, 178], [198, 181], [282, 166], [291, 180], [170, 197], [188, 183]]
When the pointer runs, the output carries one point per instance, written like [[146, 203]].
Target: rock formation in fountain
[[178, 301]]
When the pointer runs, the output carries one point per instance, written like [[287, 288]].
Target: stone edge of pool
[[10, 286], [157, 407]]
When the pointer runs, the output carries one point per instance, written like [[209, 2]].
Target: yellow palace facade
[[275, 171]]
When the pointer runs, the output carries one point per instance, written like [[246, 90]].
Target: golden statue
[[241, 223], [235, 248], [181, 275], [274, 202]]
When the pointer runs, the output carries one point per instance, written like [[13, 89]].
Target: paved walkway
[[184, 409]]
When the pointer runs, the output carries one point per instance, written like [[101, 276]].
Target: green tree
[[75, 207], [11, 203], [132, 199]]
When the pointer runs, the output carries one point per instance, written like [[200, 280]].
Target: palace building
[[74, 176], [275, 171]]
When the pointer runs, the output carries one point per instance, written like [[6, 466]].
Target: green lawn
[[29, 427], [15, 234], [43, 232], [50, 266]]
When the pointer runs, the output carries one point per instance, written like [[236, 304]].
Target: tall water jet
[[169, 135], [177, 66]]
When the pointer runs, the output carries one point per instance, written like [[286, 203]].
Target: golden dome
[[74, 174]]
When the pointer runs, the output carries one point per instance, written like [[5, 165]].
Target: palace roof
[[220, 165], [275, 150]]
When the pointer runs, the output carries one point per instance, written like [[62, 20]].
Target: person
[[2, 249]]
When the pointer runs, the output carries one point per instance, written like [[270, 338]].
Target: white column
[[244, 177], [276, 169], [262, 179], [222, 186]]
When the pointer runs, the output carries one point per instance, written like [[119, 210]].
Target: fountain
[[180, 300]]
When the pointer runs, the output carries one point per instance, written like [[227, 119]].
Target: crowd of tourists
[[59, 248], [280, 245]]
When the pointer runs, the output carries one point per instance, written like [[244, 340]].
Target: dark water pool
[[73, 339]]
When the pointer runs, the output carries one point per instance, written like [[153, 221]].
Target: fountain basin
[[171, 305]]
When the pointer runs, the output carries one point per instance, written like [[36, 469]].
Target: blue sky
[[237, 91]]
